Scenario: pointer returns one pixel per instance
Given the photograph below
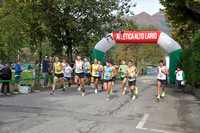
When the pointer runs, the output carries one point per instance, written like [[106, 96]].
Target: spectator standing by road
[[6, 75], [45, 71], [18, 71], [180, 77], [50, 68]]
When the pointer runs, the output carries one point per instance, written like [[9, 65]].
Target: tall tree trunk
[[69, 51], [39, 49]]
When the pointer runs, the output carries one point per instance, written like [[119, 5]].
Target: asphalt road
[[69, 112]]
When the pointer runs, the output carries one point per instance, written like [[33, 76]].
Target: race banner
[[136, 37]]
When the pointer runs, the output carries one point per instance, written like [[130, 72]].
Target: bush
[[191, 62]]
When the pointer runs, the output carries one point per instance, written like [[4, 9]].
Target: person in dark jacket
[[18, 71], [6, 75], [45, 71]]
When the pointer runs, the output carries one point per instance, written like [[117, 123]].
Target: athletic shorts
[[106, 81], [68, 78], [59, 75], [122, 78], [87, 75], [17, 78], [132, 83], [95, 77], [113, 79], [162, 81], [80, 75]]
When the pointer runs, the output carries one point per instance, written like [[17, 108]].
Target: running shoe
[[158, 98], [133, 98], [124, 92], [15, 92], [52, 93], [136, 90], [2, 94], [79, 88], [96, 90], [163, 94], [102, 88], [111, 91], [107, 98], [83, 94], [8, 94], [92, 85], [63, 89]]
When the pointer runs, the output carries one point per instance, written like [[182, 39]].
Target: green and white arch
[[162, 39]]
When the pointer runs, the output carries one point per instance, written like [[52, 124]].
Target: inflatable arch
[[162, 39]]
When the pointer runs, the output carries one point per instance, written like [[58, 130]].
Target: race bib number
[[123, 71], [95, 73], [131, 75], [107, 74], [67, 74], [77, 69], [161, 76], [57, 69]]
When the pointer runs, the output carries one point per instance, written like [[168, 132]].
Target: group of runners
[[94, 73]]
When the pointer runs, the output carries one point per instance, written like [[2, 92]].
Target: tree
[[184, 17], [80, 22]]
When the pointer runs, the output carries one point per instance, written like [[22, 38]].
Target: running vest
[[79, 65], [95, 71], [67, 71], [107, 72], [161, 75], [58, 66], [179, 75], [123, 68], [87, 66], [131, 71]]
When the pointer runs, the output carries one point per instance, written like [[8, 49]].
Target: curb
[[193, 90]]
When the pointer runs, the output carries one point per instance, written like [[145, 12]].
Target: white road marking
[[143, 121], [161, 131]]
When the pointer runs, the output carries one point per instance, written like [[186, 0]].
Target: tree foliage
[[191, 61], [184, 17], [68, 24]]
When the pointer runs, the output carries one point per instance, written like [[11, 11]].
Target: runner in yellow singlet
[[58, 67], [132, 75], [95, 74]]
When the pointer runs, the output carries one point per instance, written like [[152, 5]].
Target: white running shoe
[[133, 98], [95, 91], [79, 88], [83, 94]]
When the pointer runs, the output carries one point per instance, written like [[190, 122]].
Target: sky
[[149, 6]]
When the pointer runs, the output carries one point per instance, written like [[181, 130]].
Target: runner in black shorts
[[87, 70], [58, 67], [79, 78], [107, 76]]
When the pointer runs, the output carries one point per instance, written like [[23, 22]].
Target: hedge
[[191, 62]]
